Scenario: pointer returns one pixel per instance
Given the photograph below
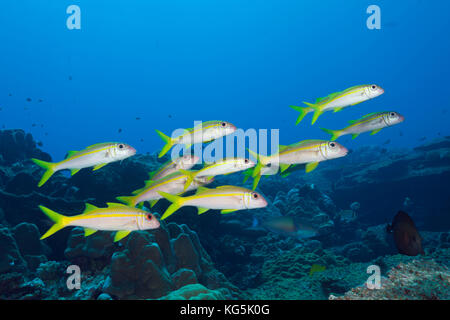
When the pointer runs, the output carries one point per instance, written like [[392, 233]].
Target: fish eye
[[392, 114], [255, 195], [223, 124], [120, 146], [374, 87], [246, 160], [149, 216], [332, 144]]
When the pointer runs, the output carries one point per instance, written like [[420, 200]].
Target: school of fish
[[175, 178]]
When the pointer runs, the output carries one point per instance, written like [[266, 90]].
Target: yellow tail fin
[[177, 202], [48, 166], [190, 177], [317, 111], [303, 112], [59, 220], [167, 140]]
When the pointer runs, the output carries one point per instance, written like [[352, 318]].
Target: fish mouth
[[344, 151], [132, 151], [401, 118]]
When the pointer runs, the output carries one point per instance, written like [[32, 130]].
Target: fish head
[[123, 151], [149, 221], [373, 91], [333, 150], [186, 162], [393, 117], [243, 163], [254, 200], [224, 128]]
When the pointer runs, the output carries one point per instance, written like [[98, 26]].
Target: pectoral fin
[[338, 109], [88, 231], [101, 165], [311, 166], [121, 234], [284, 167], [355, 135], [224, 211], [73, 171], [202, 210], [375, 131], [153, 202]]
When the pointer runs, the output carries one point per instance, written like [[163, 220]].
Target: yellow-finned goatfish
[[371, 122], [225, 198], [204, 132], [116, 217], [220, 167], [173, 183], [185, 162], [97, 156], [309, 152], [338, 101]]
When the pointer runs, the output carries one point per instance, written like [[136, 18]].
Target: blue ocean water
[[137, 66], [170, 63]]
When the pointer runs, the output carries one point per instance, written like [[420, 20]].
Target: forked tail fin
[[177, 202], [303, 112], [59, 220], [48, 166], [168, 140]]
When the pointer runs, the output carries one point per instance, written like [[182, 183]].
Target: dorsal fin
[[89, 208], [148, 184], [71, 154], [363, 117], [201, 189], [282, 147], [115, 205]]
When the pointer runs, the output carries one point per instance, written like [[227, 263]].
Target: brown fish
[[407, 239]]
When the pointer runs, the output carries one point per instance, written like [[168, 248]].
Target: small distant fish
[[10, 94], [170, 116], [40, 100], [120, 130], [338, 101], [46, 134], [115, 217], [40, 144], [28, 99], [137, 118], [387, 142], [204, 132], [33, 124], [371, 122], [70, 77], [225, 198], [316, 268], [289, 226], [400, 133], [142, 140], [406, 237], [97, 156]]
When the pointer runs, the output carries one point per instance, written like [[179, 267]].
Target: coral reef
[[416, 280], [215, 256]]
